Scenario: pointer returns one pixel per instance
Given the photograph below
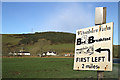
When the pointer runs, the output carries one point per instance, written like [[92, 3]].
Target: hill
[[40, 42], [53, 37]]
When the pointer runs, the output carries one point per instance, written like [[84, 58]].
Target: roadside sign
[[93, 48]]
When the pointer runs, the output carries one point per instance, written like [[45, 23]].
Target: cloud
[[69, 19]]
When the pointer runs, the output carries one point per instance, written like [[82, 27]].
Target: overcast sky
[[26, 17]]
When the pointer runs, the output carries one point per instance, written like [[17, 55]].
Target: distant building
[[49, 53], [68, 54], [39, 55], [23, 53], [20, 53]]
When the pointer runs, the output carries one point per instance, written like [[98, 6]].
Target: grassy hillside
[[115, 51], [10, 39], [63, 48], [38, 43], [9, 43], [53, 37]]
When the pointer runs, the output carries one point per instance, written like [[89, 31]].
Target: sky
[[28, 17]]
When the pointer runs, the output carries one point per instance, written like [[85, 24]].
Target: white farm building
[[49, 53], [20, 53]]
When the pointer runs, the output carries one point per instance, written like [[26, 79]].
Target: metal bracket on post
[[100, 18]]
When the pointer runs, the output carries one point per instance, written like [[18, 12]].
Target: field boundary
[[37, 57]]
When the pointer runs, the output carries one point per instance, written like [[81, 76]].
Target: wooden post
[[100, 75], [100, 18]]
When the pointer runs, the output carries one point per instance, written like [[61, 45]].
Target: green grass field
[[47, 68]]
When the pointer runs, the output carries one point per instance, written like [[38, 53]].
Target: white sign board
[[93, 48]]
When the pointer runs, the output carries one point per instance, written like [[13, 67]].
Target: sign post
[[100, 18], [94, 45]]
